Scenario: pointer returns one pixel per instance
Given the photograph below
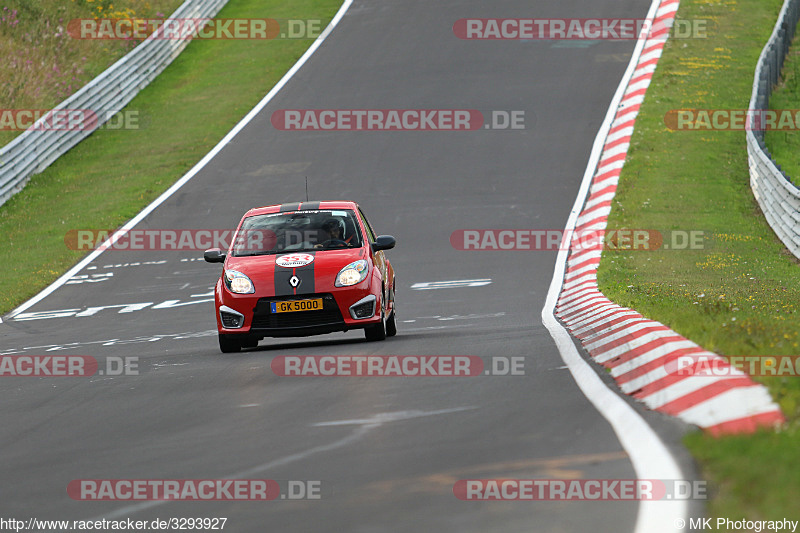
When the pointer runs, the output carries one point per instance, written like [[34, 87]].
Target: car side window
[[370, 232]]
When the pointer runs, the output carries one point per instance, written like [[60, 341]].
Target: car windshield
[[309, 230]]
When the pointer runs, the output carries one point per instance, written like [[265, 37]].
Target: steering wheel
[[331, 242]]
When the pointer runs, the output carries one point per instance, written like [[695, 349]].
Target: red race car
[[300, 269]]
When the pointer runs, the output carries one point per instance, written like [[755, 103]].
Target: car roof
[[297, 206]]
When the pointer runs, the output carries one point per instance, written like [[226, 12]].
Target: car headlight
[[353, 273], [238, 282]]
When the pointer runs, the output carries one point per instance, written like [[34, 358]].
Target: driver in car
[[333, 228]]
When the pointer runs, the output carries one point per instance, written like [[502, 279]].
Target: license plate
[[292, 306]]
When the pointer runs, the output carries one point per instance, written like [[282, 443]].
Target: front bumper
[[343, 309]]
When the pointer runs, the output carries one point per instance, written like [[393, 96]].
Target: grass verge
[[739, 294], [184, 113]]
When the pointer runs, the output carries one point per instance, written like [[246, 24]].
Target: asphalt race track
[[397, 445]]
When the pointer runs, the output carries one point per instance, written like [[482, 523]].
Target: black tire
[[228, 344], [250, 343], [391, 324], [376, 332]]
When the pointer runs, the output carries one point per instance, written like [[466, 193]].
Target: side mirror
[[383, 242], [214, 255]]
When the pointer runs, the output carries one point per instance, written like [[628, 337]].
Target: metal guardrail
[[107, 94], [778, 197]]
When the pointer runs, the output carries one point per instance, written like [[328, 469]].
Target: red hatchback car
[[303, 269]]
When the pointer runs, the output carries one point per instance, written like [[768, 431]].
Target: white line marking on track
[[86, 278], [113, 342], [160, 365], [201, 295], [126, 265], [472, 316], [382, 418], [429, 285]]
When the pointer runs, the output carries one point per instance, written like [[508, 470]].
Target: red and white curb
[[637, 351]]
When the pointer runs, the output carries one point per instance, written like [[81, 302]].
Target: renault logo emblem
[[294, 281]]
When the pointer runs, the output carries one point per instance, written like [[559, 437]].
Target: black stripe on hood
[[304, 273]]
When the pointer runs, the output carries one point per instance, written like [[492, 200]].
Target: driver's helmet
[[332, 223]]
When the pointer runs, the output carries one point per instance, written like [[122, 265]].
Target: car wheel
[[227, 344], [391, 324], [250, 343], [376, 332]]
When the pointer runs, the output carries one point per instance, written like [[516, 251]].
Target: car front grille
[[330, 315]]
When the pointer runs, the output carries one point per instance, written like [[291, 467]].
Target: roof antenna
[[306, 188]]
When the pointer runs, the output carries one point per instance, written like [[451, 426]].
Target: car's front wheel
[[376, 332], [391, 324], [250, 343], [229, 344]]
